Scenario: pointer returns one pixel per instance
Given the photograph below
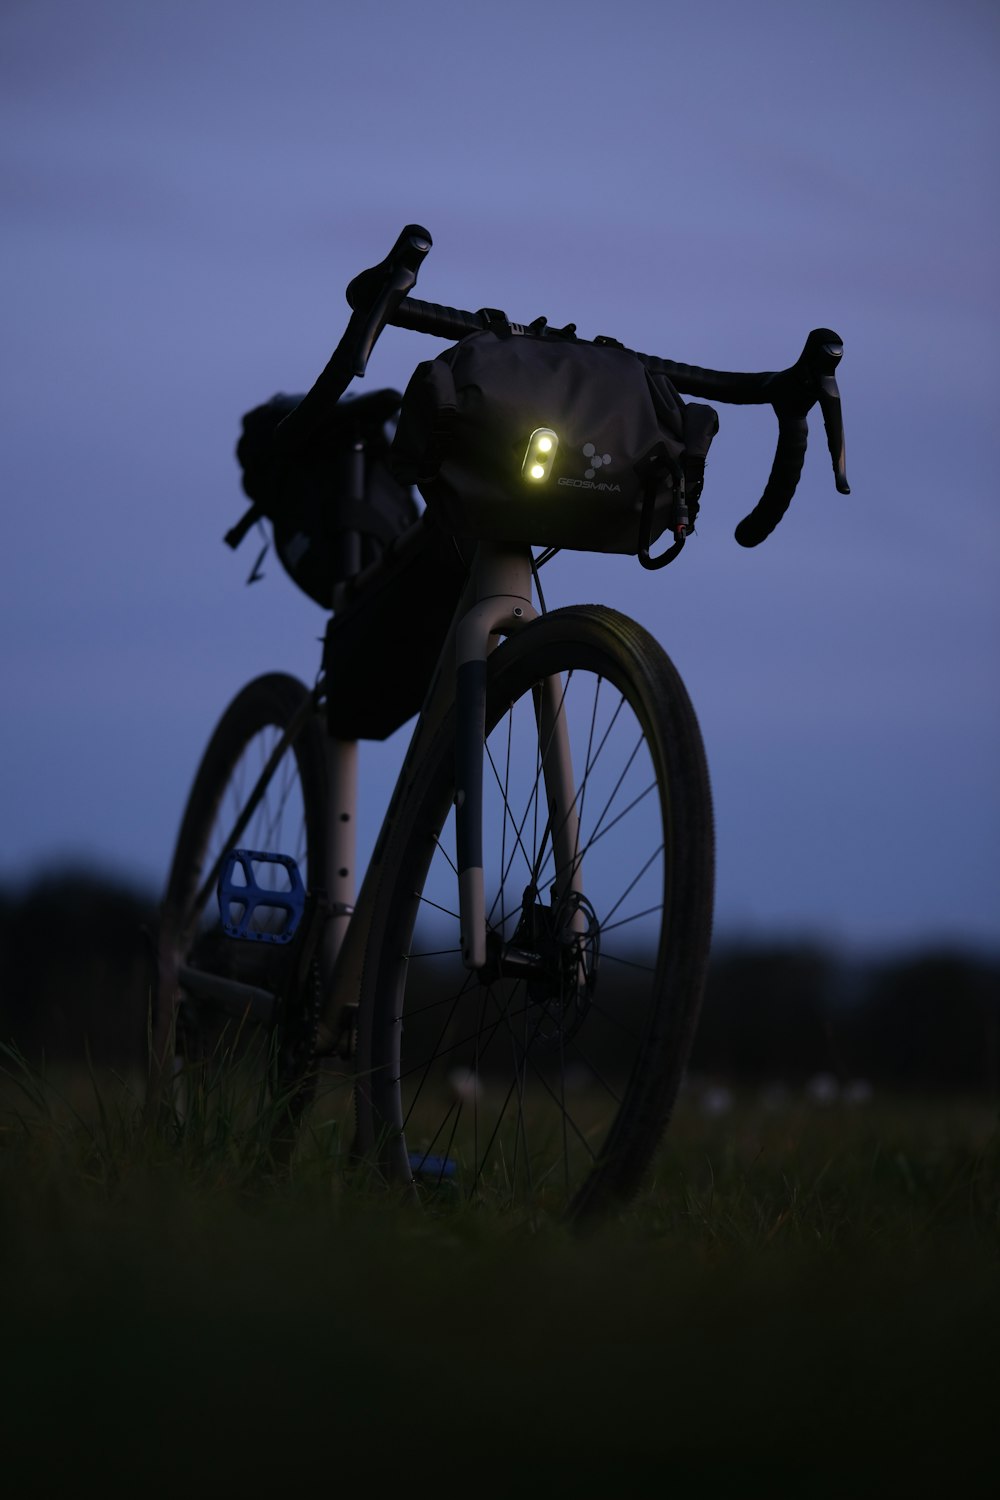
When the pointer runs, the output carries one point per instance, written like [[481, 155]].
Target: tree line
[[76, 974]]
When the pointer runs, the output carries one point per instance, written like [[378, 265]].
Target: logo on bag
[[597, 461]]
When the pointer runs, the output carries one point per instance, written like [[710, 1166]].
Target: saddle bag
[[532, 436], [335, 507]]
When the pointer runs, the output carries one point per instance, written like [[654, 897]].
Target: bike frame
[[497, 601], [345, 975]]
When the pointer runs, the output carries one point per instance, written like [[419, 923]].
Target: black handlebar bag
[[546, 440]]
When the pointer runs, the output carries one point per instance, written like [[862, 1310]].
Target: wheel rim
[[524, 1090], [277, 825]]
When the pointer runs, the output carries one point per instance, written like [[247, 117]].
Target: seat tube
[[503, 605], [341, 846]]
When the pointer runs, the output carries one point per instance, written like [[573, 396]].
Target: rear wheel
[[245, 1010], [547, 1077]]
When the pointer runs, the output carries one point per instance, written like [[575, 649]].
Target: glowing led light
[[538, 460]]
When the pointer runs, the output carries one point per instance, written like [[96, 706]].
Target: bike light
[[542, 448]]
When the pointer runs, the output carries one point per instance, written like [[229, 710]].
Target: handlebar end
[[397, 273], [746, 534]]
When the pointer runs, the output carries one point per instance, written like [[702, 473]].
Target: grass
[[803, 1301]]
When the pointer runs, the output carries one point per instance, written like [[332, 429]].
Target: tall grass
[[802, 1301]]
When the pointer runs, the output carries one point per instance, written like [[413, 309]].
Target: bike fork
[[503, 605]]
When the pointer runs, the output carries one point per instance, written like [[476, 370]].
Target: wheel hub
[[555, 950]]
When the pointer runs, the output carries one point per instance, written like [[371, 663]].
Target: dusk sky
[[188, 187]]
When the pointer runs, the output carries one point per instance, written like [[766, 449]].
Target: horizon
[[187, 192]]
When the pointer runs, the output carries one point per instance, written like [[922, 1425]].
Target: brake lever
[[375, 294], [833, 422], [816, 368], [793, 393]]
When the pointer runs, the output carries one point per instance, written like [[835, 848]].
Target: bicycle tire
[[289, 817], [516, 1091]]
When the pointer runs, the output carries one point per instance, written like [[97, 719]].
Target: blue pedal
[[431, 1168], [253, 909]]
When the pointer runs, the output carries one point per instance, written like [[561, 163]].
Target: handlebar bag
[[340, 485], [538, 438]]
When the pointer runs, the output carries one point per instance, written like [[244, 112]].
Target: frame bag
[[538, 438]]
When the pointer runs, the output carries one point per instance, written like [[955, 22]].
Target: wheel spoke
[[261, 786], [535, 1076]]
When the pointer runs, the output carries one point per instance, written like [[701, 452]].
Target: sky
[[187, 188]]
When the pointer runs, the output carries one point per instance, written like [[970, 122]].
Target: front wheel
[[244, 1011], [546, 1078]]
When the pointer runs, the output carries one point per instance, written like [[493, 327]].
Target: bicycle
[[514, 989]]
